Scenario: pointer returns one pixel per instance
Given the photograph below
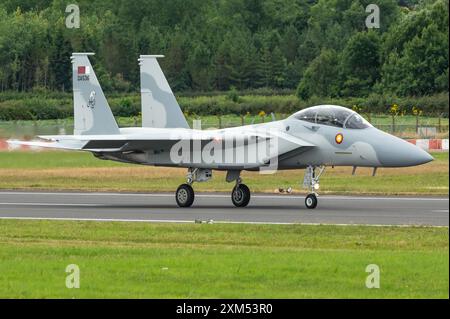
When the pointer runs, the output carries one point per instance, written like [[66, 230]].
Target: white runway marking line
[[206, 222], [325, 197], [51, 204]]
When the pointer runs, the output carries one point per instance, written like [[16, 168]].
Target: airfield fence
[[405, 127]]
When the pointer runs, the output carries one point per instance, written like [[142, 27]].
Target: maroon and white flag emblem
[[82, 70]]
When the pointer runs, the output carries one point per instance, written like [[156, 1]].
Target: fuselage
[[365, 147]]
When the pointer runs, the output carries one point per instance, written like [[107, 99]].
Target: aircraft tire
[[240, 196], [185, 195], [311, 201]]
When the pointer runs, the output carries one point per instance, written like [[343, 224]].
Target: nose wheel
[[311, 182], [311, 201], [240, 195]]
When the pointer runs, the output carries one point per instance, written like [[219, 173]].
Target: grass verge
[[53, 170], [144, 260]]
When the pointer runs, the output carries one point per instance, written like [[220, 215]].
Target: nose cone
[[420, 156], [395, 152]]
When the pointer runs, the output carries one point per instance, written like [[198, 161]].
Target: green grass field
[[144, 260], [53, 170]]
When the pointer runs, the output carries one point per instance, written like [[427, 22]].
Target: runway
[[218, 208]]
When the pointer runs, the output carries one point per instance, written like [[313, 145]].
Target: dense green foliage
[[40, 106], [320, 46]]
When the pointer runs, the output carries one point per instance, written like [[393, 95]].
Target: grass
[[52, 170], [144, 260]]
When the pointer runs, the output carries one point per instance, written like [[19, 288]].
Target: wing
[[250, 149], [144, 142]]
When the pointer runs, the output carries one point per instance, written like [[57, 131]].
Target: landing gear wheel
[[240, 196], [311, 201], [185, 195]]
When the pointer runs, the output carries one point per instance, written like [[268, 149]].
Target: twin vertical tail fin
[[159, 105], [92, 114]]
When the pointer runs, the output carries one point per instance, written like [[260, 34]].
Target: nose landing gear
[[311, 201], [311, 182]]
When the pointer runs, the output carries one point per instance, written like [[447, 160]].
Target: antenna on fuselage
[[374, 172]]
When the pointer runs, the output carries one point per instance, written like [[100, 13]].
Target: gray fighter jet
[[311, 139]]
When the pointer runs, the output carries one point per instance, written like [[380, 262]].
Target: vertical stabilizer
[[92, 114], [159, 106]]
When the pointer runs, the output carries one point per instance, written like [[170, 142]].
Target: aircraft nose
[[419, 156], [424, 157], [395, 152]]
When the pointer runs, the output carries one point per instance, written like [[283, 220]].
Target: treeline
[[320, 48], [33, 106]]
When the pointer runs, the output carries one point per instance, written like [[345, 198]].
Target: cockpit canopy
[[332, 115]]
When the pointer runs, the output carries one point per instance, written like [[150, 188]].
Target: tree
[[419, 64], [60, 69], [360, 64], [175, 62], [222, 67], [199, 67], [290, 42], [248, 44], [321, 78], [236, 61], [278, 69], [422, 66]]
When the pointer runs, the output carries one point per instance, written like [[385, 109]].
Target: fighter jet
[[311, 139]]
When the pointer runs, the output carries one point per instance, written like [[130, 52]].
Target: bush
[[125, 107], [48, 105], [35, 109]]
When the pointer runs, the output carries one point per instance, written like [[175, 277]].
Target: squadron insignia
[[91, 101]]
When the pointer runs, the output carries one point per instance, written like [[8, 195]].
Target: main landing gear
[[311, 182], [185, 195], [240, 195]]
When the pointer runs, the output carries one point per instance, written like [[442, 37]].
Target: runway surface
[[218, 208]]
